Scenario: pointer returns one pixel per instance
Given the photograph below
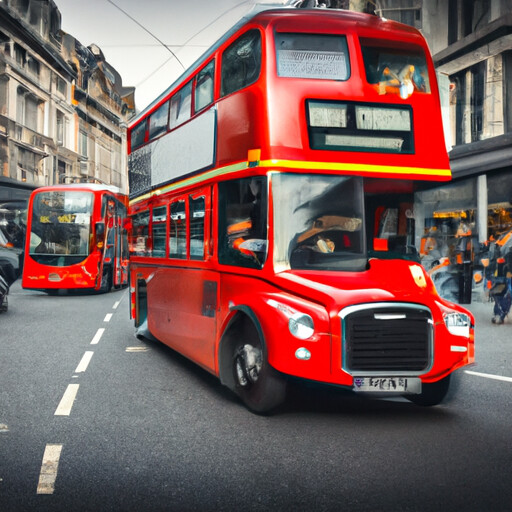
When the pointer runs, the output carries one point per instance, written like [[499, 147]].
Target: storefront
[[463, 224]]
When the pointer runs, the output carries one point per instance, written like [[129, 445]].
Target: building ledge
[[481, 156], [493, 31]]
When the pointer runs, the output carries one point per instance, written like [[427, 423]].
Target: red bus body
[[339, 155], [76, 238]]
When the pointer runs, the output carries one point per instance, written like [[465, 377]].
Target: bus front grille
[[382, 337]]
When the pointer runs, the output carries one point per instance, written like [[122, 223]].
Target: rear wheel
[[259, 386]]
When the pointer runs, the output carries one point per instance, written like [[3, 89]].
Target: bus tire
[[106, 280], [432, 393], [258, 385]]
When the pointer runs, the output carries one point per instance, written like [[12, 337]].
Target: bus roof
[[93, 187], [268, 10]]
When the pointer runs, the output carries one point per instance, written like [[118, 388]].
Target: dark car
[[10, 268], [4, 290]]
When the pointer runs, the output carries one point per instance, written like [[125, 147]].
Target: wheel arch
[[242, 317]]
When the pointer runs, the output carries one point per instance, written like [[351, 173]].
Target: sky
[[187, 27]]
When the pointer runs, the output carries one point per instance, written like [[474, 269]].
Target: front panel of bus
[[60, 249]]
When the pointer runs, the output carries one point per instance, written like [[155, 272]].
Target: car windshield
[[61, 223], [318, 222]]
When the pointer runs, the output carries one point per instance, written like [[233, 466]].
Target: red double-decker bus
[[76, 238], [273, 218]]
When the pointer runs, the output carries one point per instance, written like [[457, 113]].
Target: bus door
[[184, 295]]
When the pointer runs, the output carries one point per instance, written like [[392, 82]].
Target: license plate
[[387, 384]]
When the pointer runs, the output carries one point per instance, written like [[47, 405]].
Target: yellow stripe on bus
[[346, 167], [296, 164]]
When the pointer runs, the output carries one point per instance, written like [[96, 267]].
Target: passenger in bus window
[[246, 223]]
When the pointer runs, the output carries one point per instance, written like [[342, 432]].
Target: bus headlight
[[301, 326], [457, 323]]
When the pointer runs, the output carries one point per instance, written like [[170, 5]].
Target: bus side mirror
[[100, 229]]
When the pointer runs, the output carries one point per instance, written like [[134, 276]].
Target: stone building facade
[[63, 108], [471, 43]]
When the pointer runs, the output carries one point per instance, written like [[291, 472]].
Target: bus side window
[[181, 104], [243, 222], [197, 216], [178, 230], [241, 63], [204, 87], [140, 234], [159, 231], [158, 121]]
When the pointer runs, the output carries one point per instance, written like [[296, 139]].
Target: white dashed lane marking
[[489, 376], [97, 336], [84, 363], [49, 468], [66, 403]]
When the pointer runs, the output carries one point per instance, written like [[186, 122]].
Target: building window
[[82, 143], [61, 132], [33, 65], [475, 15], [20, 55], [404, 11], [61, 86], [468, 101]]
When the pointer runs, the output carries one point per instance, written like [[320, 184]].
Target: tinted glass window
[[138, 135], [178, 230], [139, 245], [204, 87], [241, 63], [197, 211], [159, 231], [181, 106], [395, 67], [158, 121], [312, 56], [243, 222]]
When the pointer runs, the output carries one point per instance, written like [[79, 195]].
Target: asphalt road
[[93, 419]]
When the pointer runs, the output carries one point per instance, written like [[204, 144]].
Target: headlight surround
[[457, 323], [301, 326]]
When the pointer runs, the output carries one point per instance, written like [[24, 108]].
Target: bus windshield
[[61, 222], [319, 222]]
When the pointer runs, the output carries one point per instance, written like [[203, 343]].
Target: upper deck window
[[395, 67], [204, 87], [181, 104], [158, 121], [138, 135], [312, 56], [241, 63]]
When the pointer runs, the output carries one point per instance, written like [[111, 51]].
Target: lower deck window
[[243, 222]]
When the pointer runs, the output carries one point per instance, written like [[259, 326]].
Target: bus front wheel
[[256, 382], [106, 280]]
